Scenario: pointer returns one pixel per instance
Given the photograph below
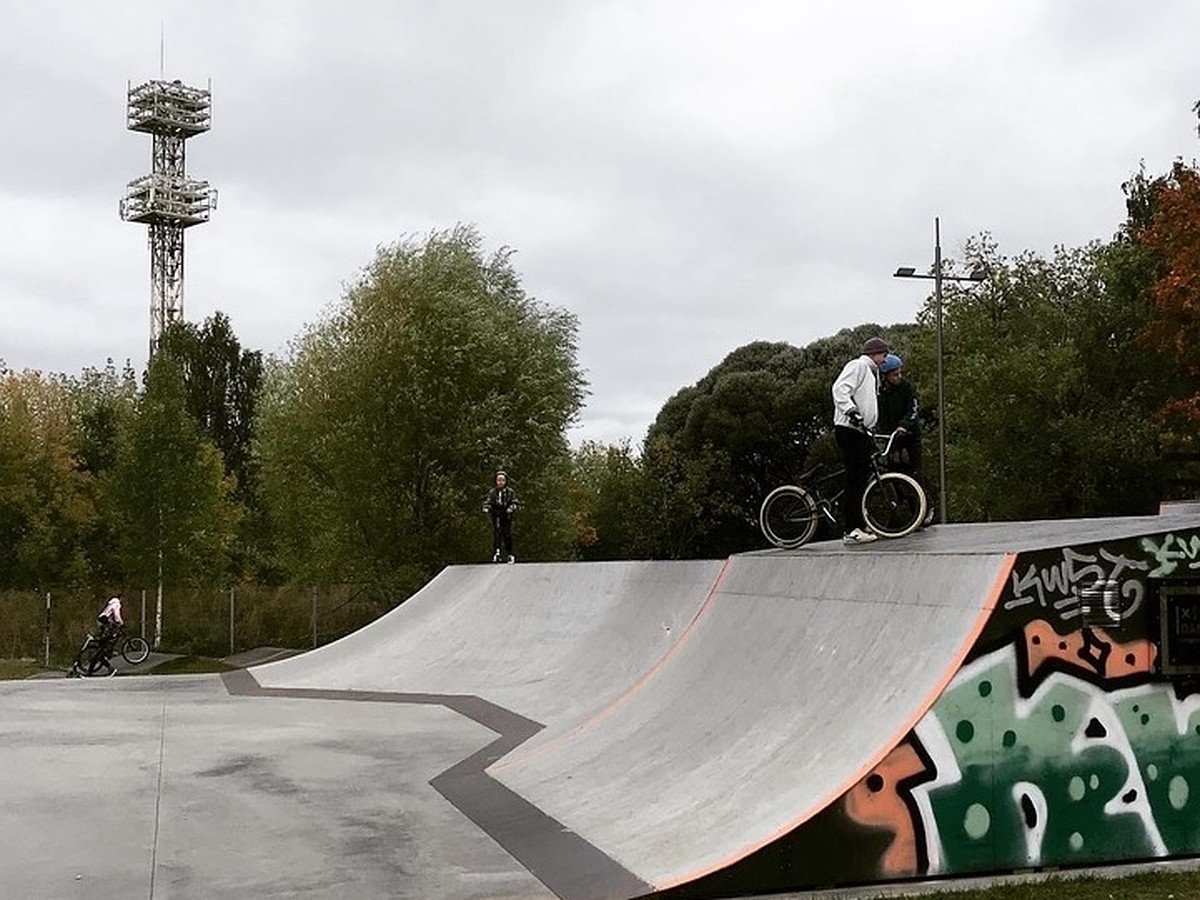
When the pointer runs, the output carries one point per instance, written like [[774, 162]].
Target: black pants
[[906, 456], [856, 449], [502, 536]]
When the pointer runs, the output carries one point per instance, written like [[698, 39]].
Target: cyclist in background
[[111, 622]]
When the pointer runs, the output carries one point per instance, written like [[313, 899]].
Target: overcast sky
[[684, 176]]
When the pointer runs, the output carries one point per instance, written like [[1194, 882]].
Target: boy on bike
[[500, 504], [111, 622], [899, 411], [856, 411]]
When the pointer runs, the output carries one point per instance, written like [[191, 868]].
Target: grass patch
[[1143, 886], [187, 665], [14, 669]]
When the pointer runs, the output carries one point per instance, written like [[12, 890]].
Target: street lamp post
[[938, 278]]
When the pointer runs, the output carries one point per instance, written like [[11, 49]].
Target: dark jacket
[[500, 502], [898, 406]]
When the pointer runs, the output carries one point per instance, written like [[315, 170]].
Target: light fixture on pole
[[937, 277]]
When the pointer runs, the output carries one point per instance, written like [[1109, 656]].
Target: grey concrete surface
[[168, 787], [801, 674], [692, 711], [550, 641], [1007, 537]]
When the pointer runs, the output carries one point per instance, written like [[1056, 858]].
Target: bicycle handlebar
[[877, 437]]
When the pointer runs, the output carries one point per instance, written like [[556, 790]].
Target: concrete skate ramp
[[693, 711], [550, 641], [799, 676]]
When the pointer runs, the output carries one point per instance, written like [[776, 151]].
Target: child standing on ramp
[[500, 504]]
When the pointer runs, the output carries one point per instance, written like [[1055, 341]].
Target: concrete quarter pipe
[[975, 698]]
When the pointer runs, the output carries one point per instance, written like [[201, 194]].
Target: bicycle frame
[[826, 502], [896, 500]]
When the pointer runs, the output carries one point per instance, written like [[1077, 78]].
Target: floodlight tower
[[166, 199]]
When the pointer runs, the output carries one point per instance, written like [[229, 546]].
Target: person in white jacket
[[855, 410]]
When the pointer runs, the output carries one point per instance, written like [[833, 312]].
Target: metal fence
[[49, 626]]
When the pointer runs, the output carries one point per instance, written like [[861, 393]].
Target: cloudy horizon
[[684, 177]]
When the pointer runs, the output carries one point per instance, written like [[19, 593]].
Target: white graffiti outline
[[1101, 706], [1101, 709], [1060, 585], [1168, 559]]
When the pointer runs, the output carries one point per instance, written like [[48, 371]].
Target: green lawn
[[185, 665], [1147, 886], [16, 669], [13, 669]]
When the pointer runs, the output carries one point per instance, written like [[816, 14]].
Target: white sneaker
[[858, 536], [512, 559]]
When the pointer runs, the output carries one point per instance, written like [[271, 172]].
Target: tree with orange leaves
[[1165, 220]]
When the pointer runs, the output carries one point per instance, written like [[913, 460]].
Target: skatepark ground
[[168, 786], [541, 730]]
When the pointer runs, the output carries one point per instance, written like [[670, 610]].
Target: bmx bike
[[97, 652], [893, 505]]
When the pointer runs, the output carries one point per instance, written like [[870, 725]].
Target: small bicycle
[[97, 652], [893, 504]]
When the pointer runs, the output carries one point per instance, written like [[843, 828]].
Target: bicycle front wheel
[[135, 650], [894, 505], [788, 517]]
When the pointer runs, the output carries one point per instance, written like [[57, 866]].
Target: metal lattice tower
[[166, 199]]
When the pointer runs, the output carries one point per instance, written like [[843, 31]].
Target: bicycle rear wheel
[[135, 650], [788, 517], [894, 505]]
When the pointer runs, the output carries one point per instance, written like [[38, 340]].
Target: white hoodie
[[112, 610], [857, 388]]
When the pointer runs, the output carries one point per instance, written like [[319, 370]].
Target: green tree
[[1049, 396], [104, 399], [752, 423], [170, 494], [607, 502], [379, 435], [222, 383], [46, 503]]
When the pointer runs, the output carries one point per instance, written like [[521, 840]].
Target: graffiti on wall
[[1171, 552], [1058, 584], [1060, 746]]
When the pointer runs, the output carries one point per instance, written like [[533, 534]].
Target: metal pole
[[47, 629], [314, 617], [941, 383], [231, 620], [158, 601]]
